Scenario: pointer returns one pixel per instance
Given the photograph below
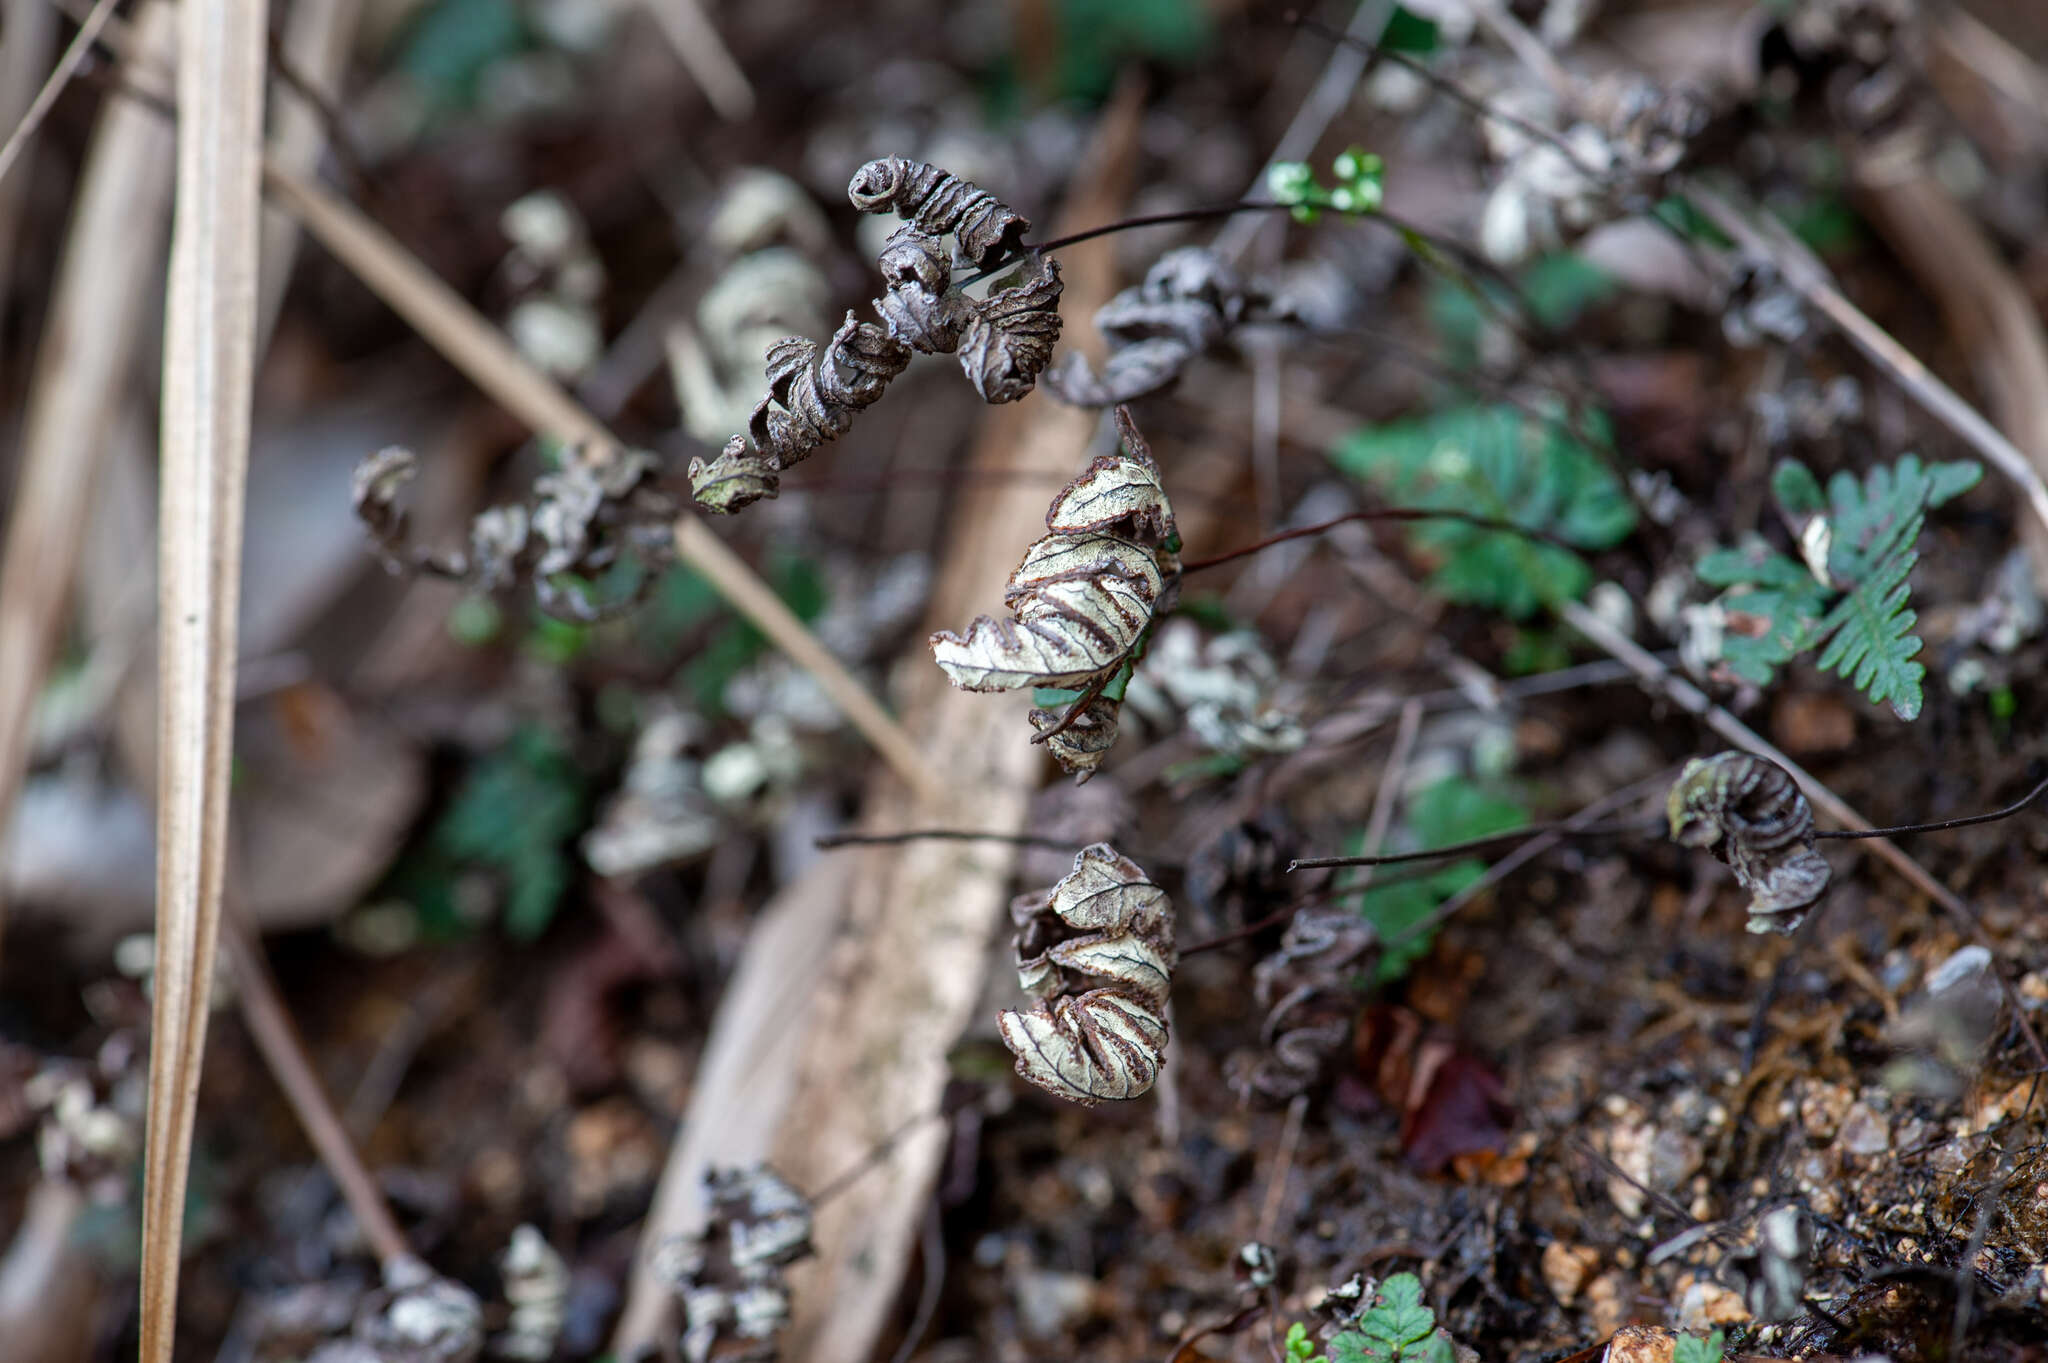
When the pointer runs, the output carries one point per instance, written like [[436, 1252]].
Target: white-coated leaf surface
[[1116, 491], [1100, 1045], [1098, 949], [1080, 603]]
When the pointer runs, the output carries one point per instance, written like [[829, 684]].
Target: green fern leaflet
[[1859, 537], [1500, 463]]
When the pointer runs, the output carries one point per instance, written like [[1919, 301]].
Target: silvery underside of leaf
[[1099, 1045]]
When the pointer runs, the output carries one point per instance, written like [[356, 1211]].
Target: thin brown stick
[[67, 66], [1804, 272], [270, 1025]]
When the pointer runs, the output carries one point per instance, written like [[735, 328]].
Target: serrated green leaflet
[[1397, 1328], [1861, 618]]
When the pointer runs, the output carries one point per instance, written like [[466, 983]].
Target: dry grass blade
[[1985, 305], [271, 1025], [481, 351], [67, 66], [705, 56], [209, 355], [1804, 272], [111, 257]]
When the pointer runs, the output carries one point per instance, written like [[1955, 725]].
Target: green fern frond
[[1870, 640], [1496, 461], [1862, 535]]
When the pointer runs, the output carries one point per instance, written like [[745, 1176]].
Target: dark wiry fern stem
[[1003, 341]]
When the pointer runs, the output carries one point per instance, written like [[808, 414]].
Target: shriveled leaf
[[1099, 1045], [1749, 813], [1104, 921], [1117, 492], [1080, 747], [1081, 603], [1107, 890]]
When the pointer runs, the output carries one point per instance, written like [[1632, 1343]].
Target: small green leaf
[[1797, 491], [1872, 645], [1497, 462], [1693, 1349]]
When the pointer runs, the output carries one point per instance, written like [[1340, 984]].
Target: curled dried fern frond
[[1308, 990], [1003, 340], [1082, 605], [1098, 950], [1190, 300], [1749, 813], [731, 1276], [581, 519]]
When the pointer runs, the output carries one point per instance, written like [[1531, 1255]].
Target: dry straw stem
[[1806, 274], [67, 66], [112, 255], [705, 56], [209, 361], [481, 351], [1985, 306], [744, 1081]]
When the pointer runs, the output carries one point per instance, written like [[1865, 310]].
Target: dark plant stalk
[[1993, 817], [1385, 514], [832, 840], [1562, 829]]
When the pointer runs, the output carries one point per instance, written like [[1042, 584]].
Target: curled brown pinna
[[1082, 604], [1749, 813], [1098, 950], [1003, 340]]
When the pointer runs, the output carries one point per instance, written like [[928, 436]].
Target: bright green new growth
[[1850, 597], [1360, 185], [1300, 1348], [1692, 1349], [1397, 1329], [1496, 461]]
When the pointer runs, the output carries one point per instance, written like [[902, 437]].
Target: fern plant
[[1850, 597], [1397, 1328], [1497, 461]]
